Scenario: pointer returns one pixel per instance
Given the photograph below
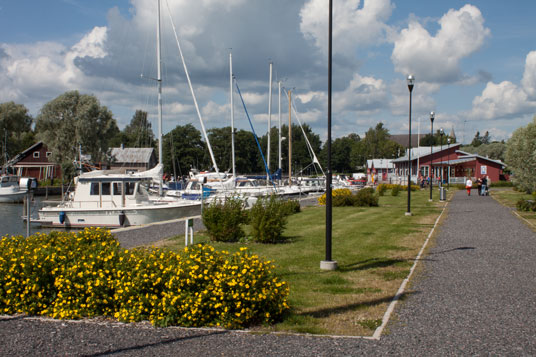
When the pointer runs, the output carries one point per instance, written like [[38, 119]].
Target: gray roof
[[132, 155], [421, 151], [381, 163]]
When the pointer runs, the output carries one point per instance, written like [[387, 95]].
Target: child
[[468, 186]]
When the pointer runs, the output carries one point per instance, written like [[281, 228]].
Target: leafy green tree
[[341, 153], [376, 145], [74, 119], [521, 156], [435, 140], [184, 145], [495, 150], [479, 139], [138, 133], [247, 157], [16, 133], [220, 139]]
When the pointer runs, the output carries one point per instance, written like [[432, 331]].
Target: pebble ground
[[475, 295]]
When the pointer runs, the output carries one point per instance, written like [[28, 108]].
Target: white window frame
[[36, 155]]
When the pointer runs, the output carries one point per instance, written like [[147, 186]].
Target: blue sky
[[473, 61]]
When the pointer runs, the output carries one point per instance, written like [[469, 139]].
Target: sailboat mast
[[159, 80], [289, 139], [269, 118], [279, 162], [232, 111]]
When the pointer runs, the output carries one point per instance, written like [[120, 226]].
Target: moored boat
[[113, 200], [10, 189]]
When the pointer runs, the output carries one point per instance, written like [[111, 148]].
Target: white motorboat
[[10, 189], [113, 200]]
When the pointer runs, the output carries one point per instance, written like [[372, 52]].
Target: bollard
[[188, 229]]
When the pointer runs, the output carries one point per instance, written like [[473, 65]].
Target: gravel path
[[475, 296]]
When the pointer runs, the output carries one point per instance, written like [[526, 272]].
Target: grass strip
[[375, 247]]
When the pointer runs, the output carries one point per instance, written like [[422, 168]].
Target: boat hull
[[15, 197], [112, 217]]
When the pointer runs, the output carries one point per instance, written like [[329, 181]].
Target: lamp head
[[432, 116], [448, 141], [411, 82], [441, 132]]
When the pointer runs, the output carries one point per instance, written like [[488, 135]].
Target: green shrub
[[82, 275], [395, 190], [290, 207], [381, 189], [343, 200], [366, 197], [268, 220], [526, 205], [223, 220], [502, 184]]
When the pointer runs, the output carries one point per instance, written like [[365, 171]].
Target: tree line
[[74, 120]]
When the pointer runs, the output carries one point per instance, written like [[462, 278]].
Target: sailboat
[[110, 199]]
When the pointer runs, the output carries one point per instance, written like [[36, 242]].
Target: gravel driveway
[[475, 296]]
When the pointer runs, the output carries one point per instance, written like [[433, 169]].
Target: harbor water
[[11, 221]]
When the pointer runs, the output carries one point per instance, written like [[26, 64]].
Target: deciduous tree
[[521, 156]]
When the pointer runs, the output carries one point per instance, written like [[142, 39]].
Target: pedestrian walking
[[468, 186], [479, 185], [484, 187]]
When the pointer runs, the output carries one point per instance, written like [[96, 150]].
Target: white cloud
[[353, 25], [529, 77], [437, 58], [364, 94], [506, 99], [501, 100]]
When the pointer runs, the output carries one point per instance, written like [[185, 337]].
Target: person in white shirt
[[468, 186]]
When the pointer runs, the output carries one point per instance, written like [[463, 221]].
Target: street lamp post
[[411, 82], [441, 133], [448, 163], [432, 117]]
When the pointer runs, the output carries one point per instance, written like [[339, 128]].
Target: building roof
[[469, 155], [422, 151], [132, 155], [381, 163], [402, 139]]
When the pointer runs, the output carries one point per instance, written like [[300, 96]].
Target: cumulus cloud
[[529, 77], [363, 94], [353, 24], [437, 58], [506, 99]]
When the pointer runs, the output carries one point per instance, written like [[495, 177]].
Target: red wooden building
[[34, 162], [449, 164]]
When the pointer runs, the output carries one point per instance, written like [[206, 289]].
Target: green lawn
[[508, 197], [375, 248]]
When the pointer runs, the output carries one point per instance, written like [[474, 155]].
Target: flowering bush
[[69, 276], [334, 193]]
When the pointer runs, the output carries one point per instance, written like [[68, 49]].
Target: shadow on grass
[[326, 312], [371, 264]]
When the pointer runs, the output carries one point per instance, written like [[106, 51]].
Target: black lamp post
[[411, 82], [441, 133], [448, 164], [329, 264], [432, 117]]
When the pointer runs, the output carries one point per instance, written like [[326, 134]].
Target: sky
[[474, 62]]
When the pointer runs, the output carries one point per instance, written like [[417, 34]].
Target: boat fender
[[122, 218], [62, 217]]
